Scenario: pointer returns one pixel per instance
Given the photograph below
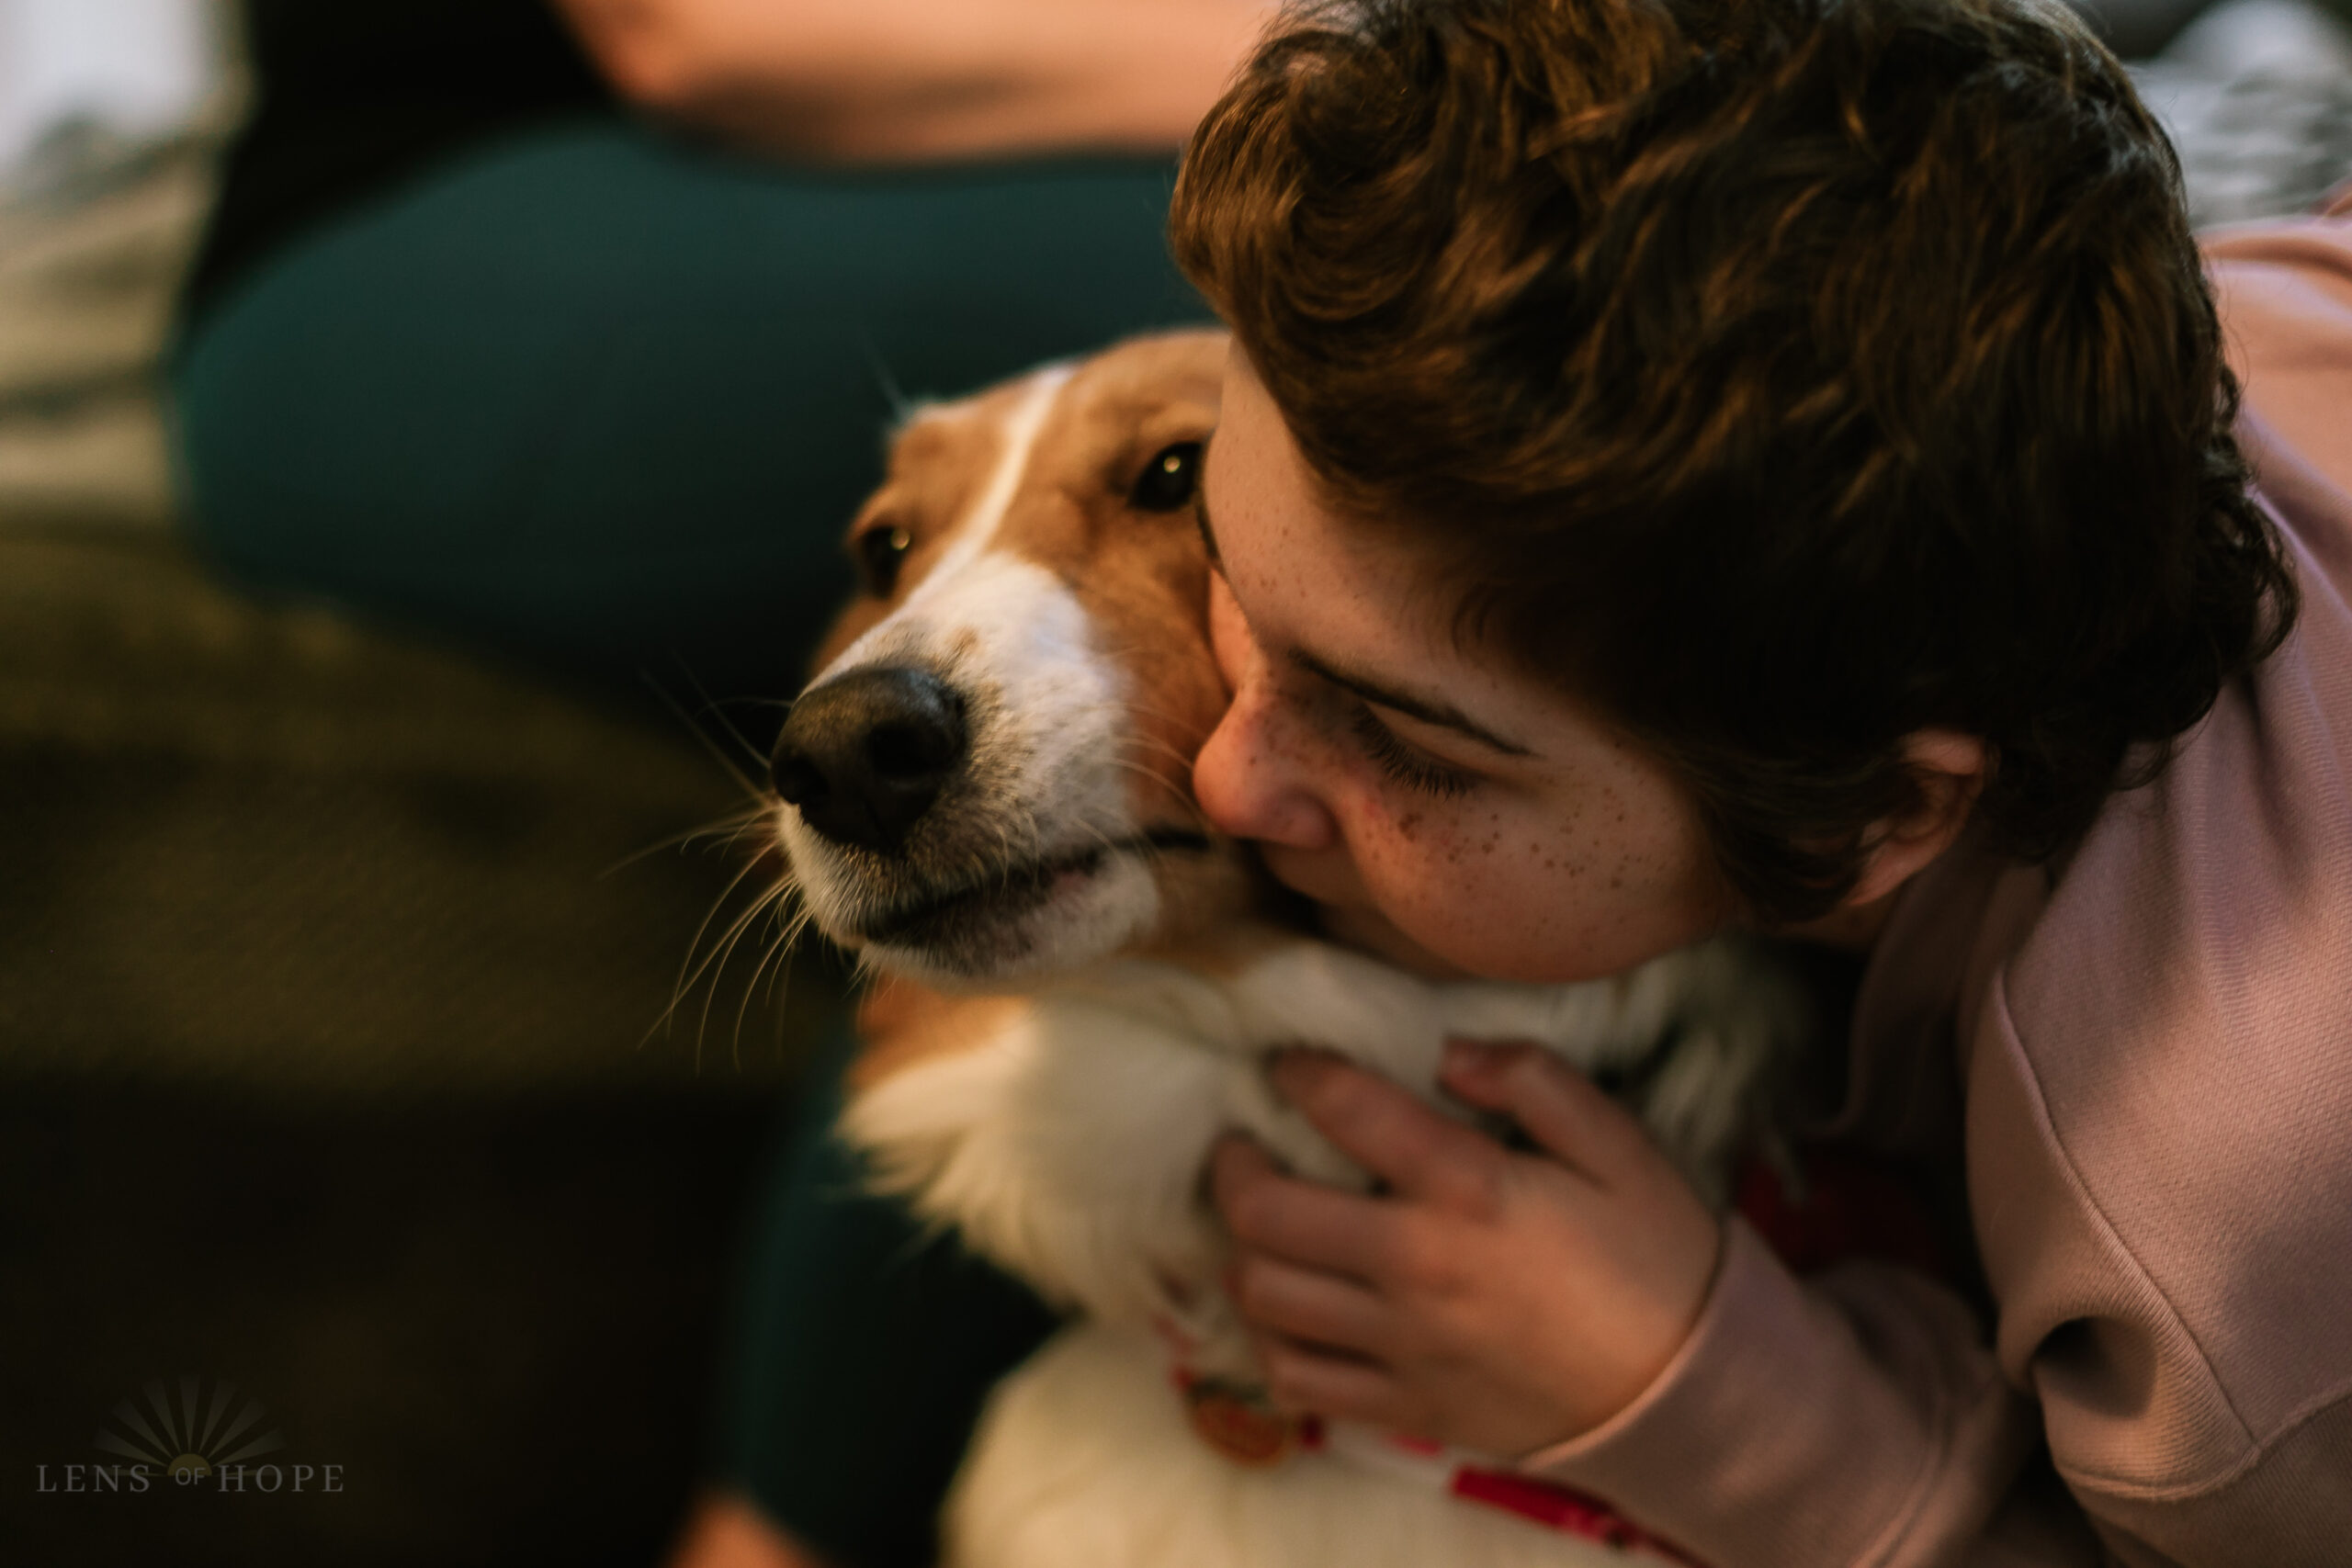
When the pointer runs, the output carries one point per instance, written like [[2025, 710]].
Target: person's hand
[[1494, 1299]]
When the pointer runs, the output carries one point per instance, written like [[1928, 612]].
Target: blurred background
[[334, 1057], [357, 1047]]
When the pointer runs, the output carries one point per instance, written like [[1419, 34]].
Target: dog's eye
[[881, 552], [1168, 482]]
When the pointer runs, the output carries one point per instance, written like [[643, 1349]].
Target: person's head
[[1803, 420]]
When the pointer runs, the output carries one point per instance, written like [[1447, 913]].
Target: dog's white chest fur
[[1067, 1147]]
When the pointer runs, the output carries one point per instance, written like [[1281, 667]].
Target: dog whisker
[[734, 935], [734, 826], [788, 941], [1174, 752], [793, 917], [1145, 708], [717, 710], [689, 972], [1176, 790], [1154, 746], [1152, 775], [743, 780], [775, 950], [902, 408]]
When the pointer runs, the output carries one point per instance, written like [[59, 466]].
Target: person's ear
[[1949, 768]]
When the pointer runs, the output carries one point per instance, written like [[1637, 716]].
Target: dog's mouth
[[934, 919]]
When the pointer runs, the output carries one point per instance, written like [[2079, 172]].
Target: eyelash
[[1405, 764]]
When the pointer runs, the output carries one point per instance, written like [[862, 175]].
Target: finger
[[1555, 1105], [1303, 1378], [1304, 1222], [1417, 1151], [1309, 1304]]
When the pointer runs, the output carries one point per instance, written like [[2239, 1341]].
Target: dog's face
[[991, 778]]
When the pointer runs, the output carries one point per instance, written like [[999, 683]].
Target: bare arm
[[724, 1531], [887, 80]]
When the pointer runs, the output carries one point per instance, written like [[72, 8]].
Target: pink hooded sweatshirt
[[2141, 1066]]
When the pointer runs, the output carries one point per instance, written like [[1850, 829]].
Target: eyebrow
[[1429, 710]]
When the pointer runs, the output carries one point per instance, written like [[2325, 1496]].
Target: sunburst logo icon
[[190, 1437]]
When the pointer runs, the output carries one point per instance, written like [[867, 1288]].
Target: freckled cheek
[[1387, 840], [1582, 874], [1533, 892], [1426, 874], [1514, 896]]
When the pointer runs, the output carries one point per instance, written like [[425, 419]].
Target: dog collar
[[1239, 1421]]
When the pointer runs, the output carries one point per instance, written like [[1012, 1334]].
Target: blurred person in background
[[571, 328], [571, 331]]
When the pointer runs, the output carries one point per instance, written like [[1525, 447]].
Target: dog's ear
[[900, 1023]]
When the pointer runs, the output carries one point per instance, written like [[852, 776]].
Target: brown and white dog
[[984, 793]]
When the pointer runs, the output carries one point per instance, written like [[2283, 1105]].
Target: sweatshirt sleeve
[[2161, 1218], [1855, 1418]]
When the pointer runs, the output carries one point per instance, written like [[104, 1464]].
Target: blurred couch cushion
[[261, 843]]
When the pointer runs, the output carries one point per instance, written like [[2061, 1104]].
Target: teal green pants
[[862, 1349], [605, 404]]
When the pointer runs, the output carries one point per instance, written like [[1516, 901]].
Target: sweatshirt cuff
[[1775, 1436]]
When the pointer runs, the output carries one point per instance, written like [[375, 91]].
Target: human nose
[[1252, 777]]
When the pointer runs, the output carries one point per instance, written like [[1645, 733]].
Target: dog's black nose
[[863, 756]]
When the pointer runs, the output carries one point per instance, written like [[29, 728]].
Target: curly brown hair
[[1787, 377]]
